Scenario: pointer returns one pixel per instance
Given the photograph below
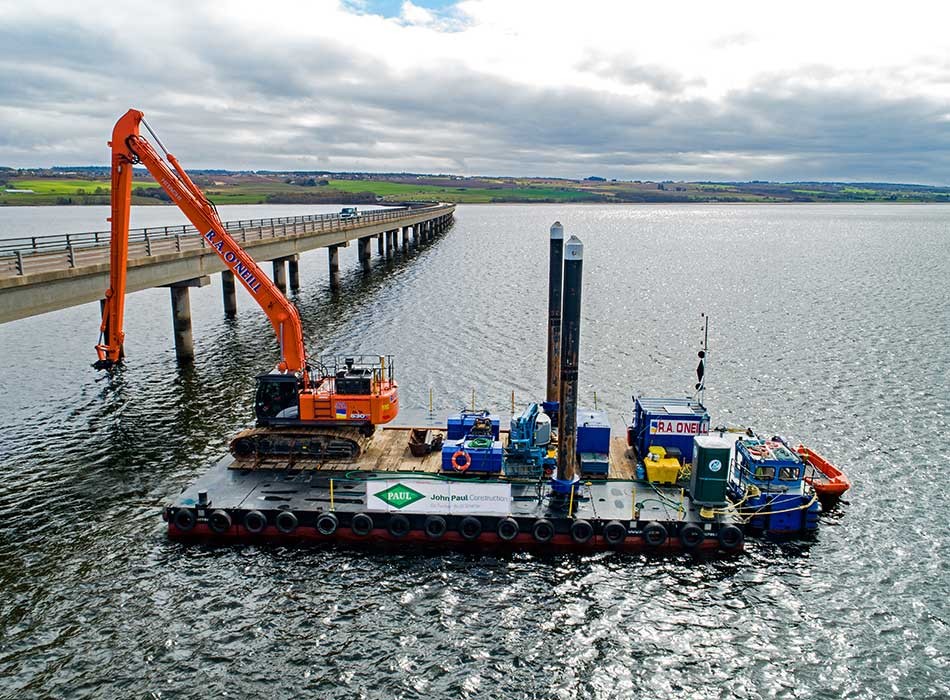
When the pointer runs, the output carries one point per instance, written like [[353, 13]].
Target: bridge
[[45, 273]]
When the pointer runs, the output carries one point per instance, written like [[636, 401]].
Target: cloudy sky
[[856, 91]]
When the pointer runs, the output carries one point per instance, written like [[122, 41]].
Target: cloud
[[324, 85], [414, 14], [625, 70]]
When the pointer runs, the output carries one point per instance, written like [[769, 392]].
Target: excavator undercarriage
[[322, 444]]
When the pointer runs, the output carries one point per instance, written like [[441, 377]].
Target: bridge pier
[[293, 272], [280, 274], [363, 248], [333, 255], [227, 291], [181, 317], [405, 239], [380, 237], [390, 238]]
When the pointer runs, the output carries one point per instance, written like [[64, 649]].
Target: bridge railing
[[31, 254]]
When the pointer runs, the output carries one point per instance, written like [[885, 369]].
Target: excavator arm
[[128, 148]]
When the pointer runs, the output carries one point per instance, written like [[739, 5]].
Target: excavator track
[[294, 442]]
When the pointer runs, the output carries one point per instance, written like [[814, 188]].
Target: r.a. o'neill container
[[710, 472]]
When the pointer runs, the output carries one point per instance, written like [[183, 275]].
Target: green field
[[406, 191], [64, 191]]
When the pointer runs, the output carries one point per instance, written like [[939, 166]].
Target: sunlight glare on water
[[828, 323]]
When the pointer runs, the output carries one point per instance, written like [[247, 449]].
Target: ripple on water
[[827, 322]]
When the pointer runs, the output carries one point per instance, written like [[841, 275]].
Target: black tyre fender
[[654, 534], [362, 524], [470, 528], [286, 522], [219, 521], [507, 529], [185, 519], [327, 524], [582, 531], [255, 522], [398, 525], [731, 537], [435, 526], [692, 535], [542, 530], [615, 532]]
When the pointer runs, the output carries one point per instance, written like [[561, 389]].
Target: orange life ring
[[464, 464]]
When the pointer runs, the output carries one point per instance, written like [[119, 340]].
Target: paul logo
[[399, 496]]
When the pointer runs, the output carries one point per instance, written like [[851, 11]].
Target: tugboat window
[[788, 474], [765, 473]]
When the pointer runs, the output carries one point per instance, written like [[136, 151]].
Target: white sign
[[444, 497], [672, 426]]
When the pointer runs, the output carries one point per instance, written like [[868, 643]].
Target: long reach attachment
[[128, 148]]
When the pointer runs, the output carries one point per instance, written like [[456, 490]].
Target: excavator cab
[[277, 399]]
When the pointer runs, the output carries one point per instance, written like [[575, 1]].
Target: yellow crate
[[663, 471]]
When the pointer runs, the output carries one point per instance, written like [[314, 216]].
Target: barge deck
[[388, 496]]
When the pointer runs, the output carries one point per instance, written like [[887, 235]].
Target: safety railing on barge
[[33, 254]]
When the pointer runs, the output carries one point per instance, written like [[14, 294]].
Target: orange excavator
[[318, 410]]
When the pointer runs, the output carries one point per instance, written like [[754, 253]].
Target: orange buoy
[[461, 460]]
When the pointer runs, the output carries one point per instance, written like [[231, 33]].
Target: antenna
[[703, 357]]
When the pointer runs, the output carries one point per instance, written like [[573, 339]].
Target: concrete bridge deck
[[46, 273]]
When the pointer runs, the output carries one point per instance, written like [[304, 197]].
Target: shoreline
[[8, 205]]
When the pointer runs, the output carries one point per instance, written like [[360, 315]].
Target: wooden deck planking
[[622, 465], [389, 452]]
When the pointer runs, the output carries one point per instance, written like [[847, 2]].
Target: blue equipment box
[[667, 423], [484, 460], [593, 431], [460, 425], [594, 463]]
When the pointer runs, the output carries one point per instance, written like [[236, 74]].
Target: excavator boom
[[324, 412], [128, 148]]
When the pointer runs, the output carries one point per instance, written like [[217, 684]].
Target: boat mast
[[703, 356]]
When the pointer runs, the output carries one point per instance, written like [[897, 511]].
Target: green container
[[710, 472]]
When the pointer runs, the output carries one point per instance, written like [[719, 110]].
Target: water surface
[[828, 323]]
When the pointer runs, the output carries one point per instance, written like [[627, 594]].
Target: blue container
[[667, 423], [594, 463], [484, 460], [593, 431], [460, 424]]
